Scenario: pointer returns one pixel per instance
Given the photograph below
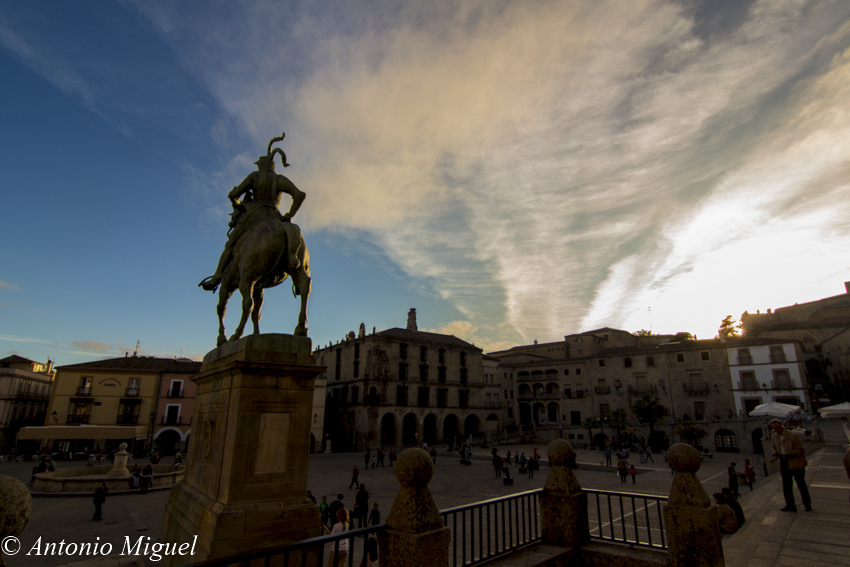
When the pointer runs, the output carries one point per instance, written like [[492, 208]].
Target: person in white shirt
[[339, 554]]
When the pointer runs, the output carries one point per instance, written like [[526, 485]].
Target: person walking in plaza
[[366, 458], [355, 477], [375, 515], [324, 509], [750, 473], [607, 453], [622, 469], [335, 507], [633, 472], [733, 479], [381, 457], [339, 549], [649, 454], [533, 465], [496, 461], [393, 458], [147, 478], [99, 498], [786, 446], [361, 506], [642, 453]]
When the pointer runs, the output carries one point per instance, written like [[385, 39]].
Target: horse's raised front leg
[[224, 294], [246, 289], [258, 306], [302, 282]]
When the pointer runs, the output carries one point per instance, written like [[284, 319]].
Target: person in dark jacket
[[335, 506], [375, 515], [99, 498], [361, 506], [734, 504]]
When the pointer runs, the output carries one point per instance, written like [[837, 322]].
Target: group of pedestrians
[[785, 447], [525, 465]]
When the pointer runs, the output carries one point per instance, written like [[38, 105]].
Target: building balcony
[[174, 394], [696, 389], [602, 390], [778, 358], [525, 397], [132, 392], [642, 389], [23, 395], [550, 396], [748, 387], [77, 419], [128, 419], [84, 391], [174, 420], [745, 360]]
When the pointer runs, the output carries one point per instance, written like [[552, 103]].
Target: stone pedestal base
[[402, 549], [225, 530], [246, 481], [694, 539], [564, 519]]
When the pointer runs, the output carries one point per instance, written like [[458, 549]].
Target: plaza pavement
[[769, 537]]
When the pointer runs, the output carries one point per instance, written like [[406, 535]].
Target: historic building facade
[[823, 329], [585, 387], [24, 394], [404, 386], [119, 392]]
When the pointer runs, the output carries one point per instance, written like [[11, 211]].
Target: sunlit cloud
[[550, 167], [7, 285]]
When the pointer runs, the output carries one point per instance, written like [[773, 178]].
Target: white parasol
[[774, 409], [838, 410]]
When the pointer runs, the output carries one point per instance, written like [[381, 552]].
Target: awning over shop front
[[83, 432]]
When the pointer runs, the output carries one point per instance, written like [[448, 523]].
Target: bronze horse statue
[[260, 261]]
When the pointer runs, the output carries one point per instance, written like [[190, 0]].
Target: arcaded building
[[400, 387]]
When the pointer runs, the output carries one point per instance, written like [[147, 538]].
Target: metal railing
[[486, 530], [633, 519], [314, 552]]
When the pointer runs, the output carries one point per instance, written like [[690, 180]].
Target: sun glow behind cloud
[[553, 167]]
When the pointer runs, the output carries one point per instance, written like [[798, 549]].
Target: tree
[[590, 423], [730, 327], [617, 420], [642, 333], [683, 336], [648, 410]]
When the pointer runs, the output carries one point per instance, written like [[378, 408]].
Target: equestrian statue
[[263, 247]]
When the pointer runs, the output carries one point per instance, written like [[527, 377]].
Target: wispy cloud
[[98, 347], [551, 166], [7, 285]]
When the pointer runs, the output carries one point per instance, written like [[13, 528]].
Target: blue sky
[[513, 170]]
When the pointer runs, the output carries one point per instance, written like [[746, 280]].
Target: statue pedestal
[[246, 479]]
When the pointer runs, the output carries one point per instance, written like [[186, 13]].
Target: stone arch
[[169, 441], [471, 425], [757, 438], [409, 430], [451, 428], [538, 413], [524, 390], [524, 414], [725, 441], [552, 412], [388, 430], [552, 388], [538, 389], [491, 424], [429, 429]]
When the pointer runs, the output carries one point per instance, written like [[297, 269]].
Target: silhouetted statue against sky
[[263, 246]]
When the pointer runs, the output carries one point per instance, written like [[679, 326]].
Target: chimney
[[411, 320], [847, 286]]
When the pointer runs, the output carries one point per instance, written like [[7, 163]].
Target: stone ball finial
[[414, 467], [122, 447], [17, 506], [560, 452], [683, 458]]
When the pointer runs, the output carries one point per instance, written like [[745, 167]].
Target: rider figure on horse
[[263, 191]]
